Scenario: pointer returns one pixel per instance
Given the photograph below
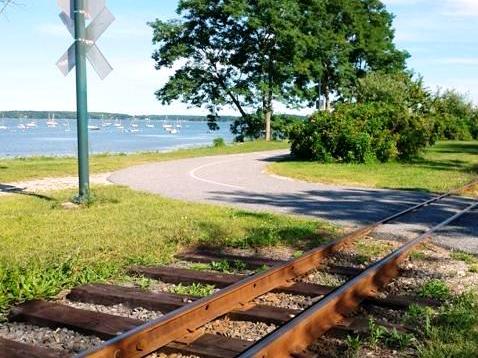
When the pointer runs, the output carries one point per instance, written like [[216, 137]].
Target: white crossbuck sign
[[101, 18]]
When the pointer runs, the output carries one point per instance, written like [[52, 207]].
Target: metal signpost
[[74, 14]]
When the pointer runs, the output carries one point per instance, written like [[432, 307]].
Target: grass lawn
[[12, 170], [45, 248], [442, 167]]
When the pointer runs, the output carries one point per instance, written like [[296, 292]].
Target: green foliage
[[377, 333], [436, 289], [252, 127], [453, 330], [144, 282], [420, 316], [464, 256], [455, 116], [389, 121], [360, 133], [262, 268], [389, 338], [221, 266], [21, 283], [443, 167], [219, 142], [353, 345], [232, 53], [195, 289]]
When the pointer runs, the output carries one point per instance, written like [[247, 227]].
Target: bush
[[218, 142], [361, 133], [455, 117]]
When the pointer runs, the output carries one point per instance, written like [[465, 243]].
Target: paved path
[[241, 180]]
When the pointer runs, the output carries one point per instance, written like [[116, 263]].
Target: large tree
[[347, 40], [229, 52]]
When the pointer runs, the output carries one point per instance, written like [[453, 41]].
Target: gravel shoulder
[[48, 184]]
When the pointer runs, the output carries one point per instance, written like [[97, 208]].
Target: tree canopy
[[250, 54]]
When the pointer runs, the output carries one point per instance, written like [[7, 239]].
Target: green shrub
[[361, 133], [219, 142], [455, 117]]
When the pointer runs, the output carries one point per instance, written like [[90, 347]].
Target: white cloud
[[461, 8]]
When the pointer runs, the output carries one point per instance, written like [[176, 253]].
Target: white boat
[[93, 128], [67, 125], [118, 123], [51, 122], [173, 131], [148, 123], [31, 124], [134, 130], [134, 123], [105, 123]]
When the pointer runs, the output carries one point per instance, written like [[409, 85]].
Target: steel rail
[[291, 339], [155, 334]]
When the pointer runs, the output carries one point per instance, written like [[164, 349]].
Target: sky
[[441, 36]]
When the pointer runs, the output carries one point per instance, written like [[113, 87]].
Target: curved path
[[241, 180]]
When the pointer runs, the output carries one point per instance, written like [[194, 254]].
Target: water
[[61, 140]]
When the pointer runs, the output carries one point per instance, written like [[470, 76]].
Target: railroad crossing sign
[[73, 15], [101, 18]]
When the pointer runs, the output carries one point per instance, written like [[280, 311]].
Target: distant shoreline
[[105, 115]]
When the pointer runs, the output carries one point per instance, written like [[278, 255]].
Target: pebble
[[118, 310], [58, 339]]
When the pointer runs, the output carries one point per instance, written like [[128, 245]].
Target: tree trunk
[[327, 97], [267, 117]]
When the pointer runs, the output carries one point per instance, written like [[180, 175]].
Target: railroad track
[[180, 328]]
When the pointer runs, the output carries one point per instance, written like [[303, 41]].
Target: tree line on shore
[[102, 115]]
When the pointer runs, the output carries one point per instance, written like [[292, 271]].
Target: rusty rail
[[151, 336], [292, 338]]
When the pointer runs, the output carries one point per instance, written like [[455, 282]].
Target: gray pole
[[81, 101]]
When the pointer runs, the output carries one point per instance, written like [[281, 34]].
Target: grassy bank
[[12, 170], [45, 248], [442, 167]]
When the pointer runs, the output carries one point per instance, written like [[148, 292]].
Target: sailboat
[[67, 125], [51, 122], [105, 124], [21, 125], [148, 123], [31, 124], [2, 124]]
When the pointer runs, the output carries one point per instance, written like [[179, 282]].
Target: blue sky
[[441, 36]]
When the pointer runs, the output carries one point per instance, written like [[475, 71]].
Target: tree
[[231, 52], [4, 4], [348, 39]]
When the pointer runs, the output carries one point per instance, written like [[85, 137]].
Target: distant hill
[[99, 115]]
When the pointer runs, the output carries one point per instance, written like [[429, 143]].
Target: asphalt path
[[241, 180]]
